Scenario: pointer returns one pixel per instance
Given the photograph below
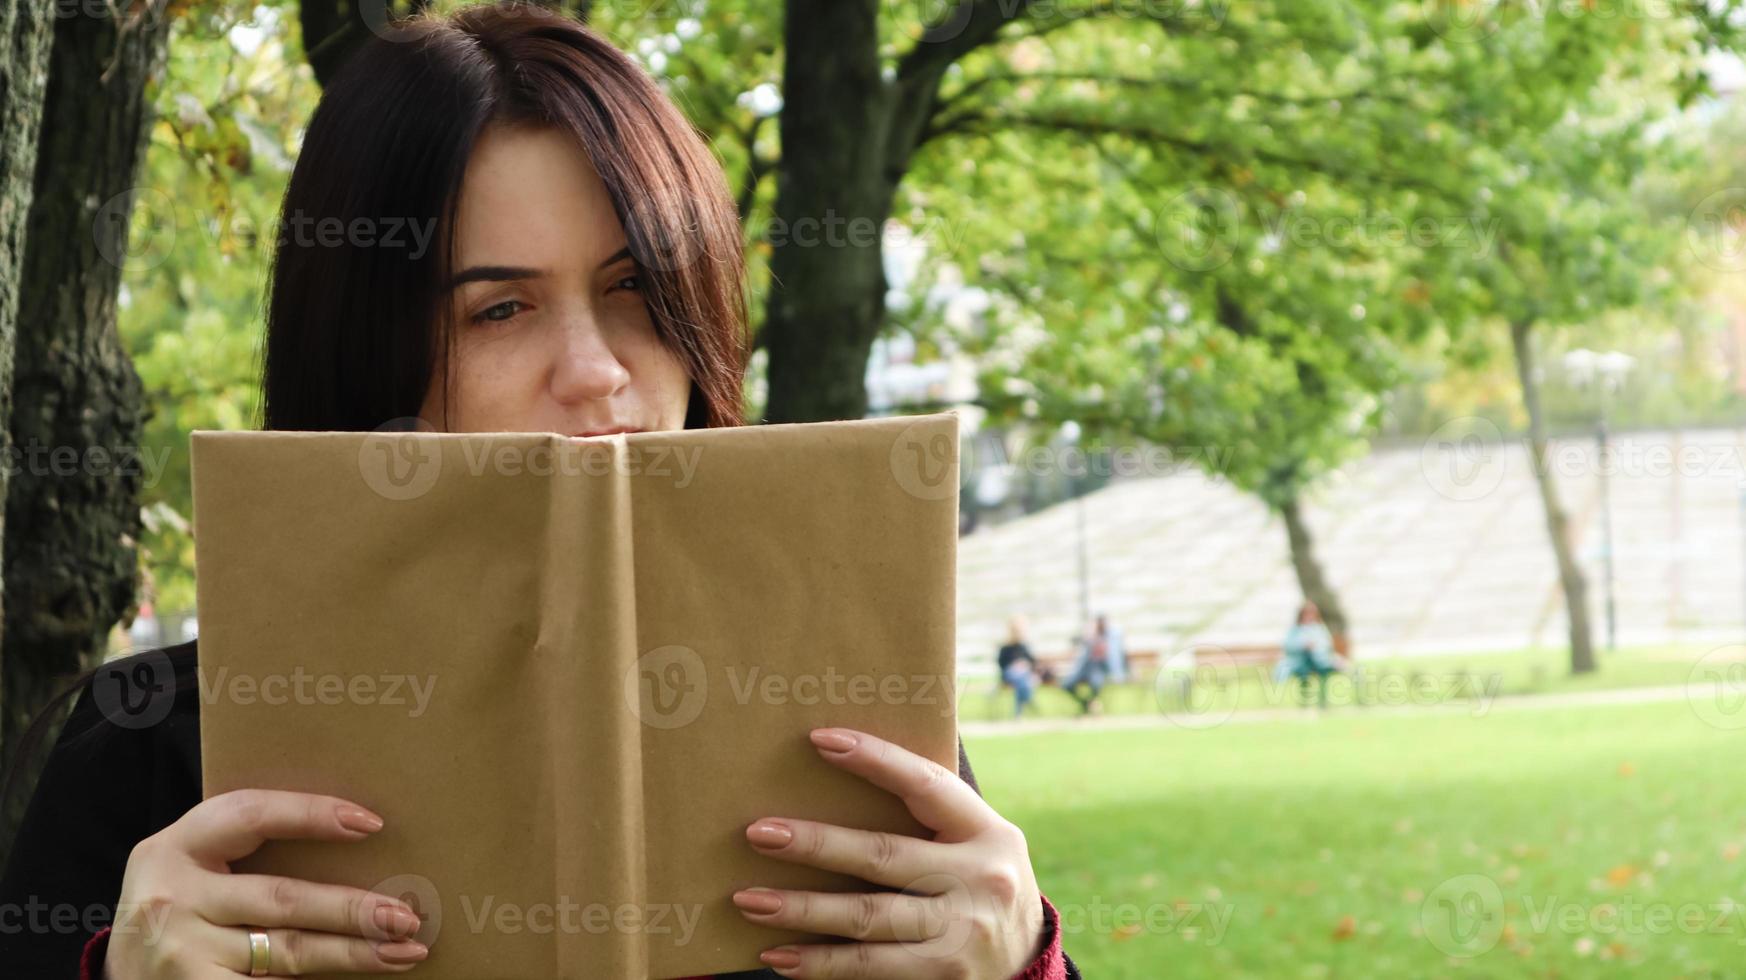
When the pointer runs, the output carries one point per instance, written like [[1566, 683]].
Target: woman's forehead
[[531, 197]]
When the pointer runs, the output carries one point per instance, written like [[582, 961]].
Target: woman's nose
[[585, 367]]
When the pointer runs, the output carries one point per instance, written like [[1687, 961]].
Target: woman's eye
[[499, 312], [632, 282]]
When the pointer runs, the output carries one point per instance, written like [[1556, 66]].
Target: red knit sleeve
[[91, 961], [1051, 963]]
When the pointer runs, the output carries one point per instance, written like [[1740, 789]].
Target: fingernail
[[359, 819], [833, 740], [404, 951], [396, 922], [782, 958], [769, 833], [763, 901]]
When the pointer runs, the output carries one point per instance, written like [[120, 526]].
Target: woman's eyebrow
[[510, 273], [493, 273]]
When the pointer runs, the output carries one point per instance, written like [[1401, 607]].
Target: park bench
[[1141, 663], [1142, 667], [1224, 661], [1218, 657]]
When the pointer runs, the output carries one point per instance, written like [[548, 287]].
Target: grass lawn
[[1589, 841], [1389, 681]]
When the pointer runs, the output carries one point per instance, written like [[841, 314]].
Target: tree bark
[[848, 135], [1570, 576], [1311, 578], [27, 30], [827, 293], [72, 511]]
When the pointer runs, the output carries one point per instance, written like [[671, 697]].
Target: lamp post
[[1070, 435], [1604, 372]]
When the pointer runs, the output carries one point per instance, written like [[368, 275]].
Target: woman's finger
[[297, 952], [264, 900], [235, 824], [867, 916], [883, 859], [864, 961], [934, 794]]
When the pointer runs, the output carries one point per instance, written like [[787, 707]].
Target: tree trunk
[[72, 511], [1557, 523], [1310, 576], [27, 29], [827, 293]]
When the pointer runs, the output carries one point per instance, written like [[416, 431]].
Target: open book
[[569, 673]]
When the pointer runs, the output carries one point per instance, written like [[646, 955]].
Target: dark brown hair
[[356, 330]]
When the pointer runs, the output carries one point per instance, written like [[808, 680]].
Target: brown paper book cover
[[569, 673]]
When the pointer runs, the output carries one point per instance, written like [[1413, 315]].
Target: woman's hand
[[183, 914], [968, 905]]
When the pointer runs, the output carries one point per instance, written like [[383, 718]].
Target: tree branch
[[970, 25], [1064, 125], [915, 90], [1191, 87]]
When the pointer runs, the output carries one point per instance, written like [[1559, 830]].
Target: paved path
[[1201, 722]]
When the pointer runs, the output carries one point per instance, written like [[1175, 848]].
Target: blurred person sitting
[[1308, 652], [1102, 660], [1018, 667]]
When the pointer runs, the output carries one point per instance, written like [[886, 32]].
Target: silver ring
[[260, 952]]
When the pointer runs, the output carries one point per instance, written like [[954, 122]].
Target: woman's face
[[551, 331]]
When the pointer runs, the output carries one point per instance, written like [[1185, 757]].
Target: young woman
[[1308, 652], [583, 275]]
